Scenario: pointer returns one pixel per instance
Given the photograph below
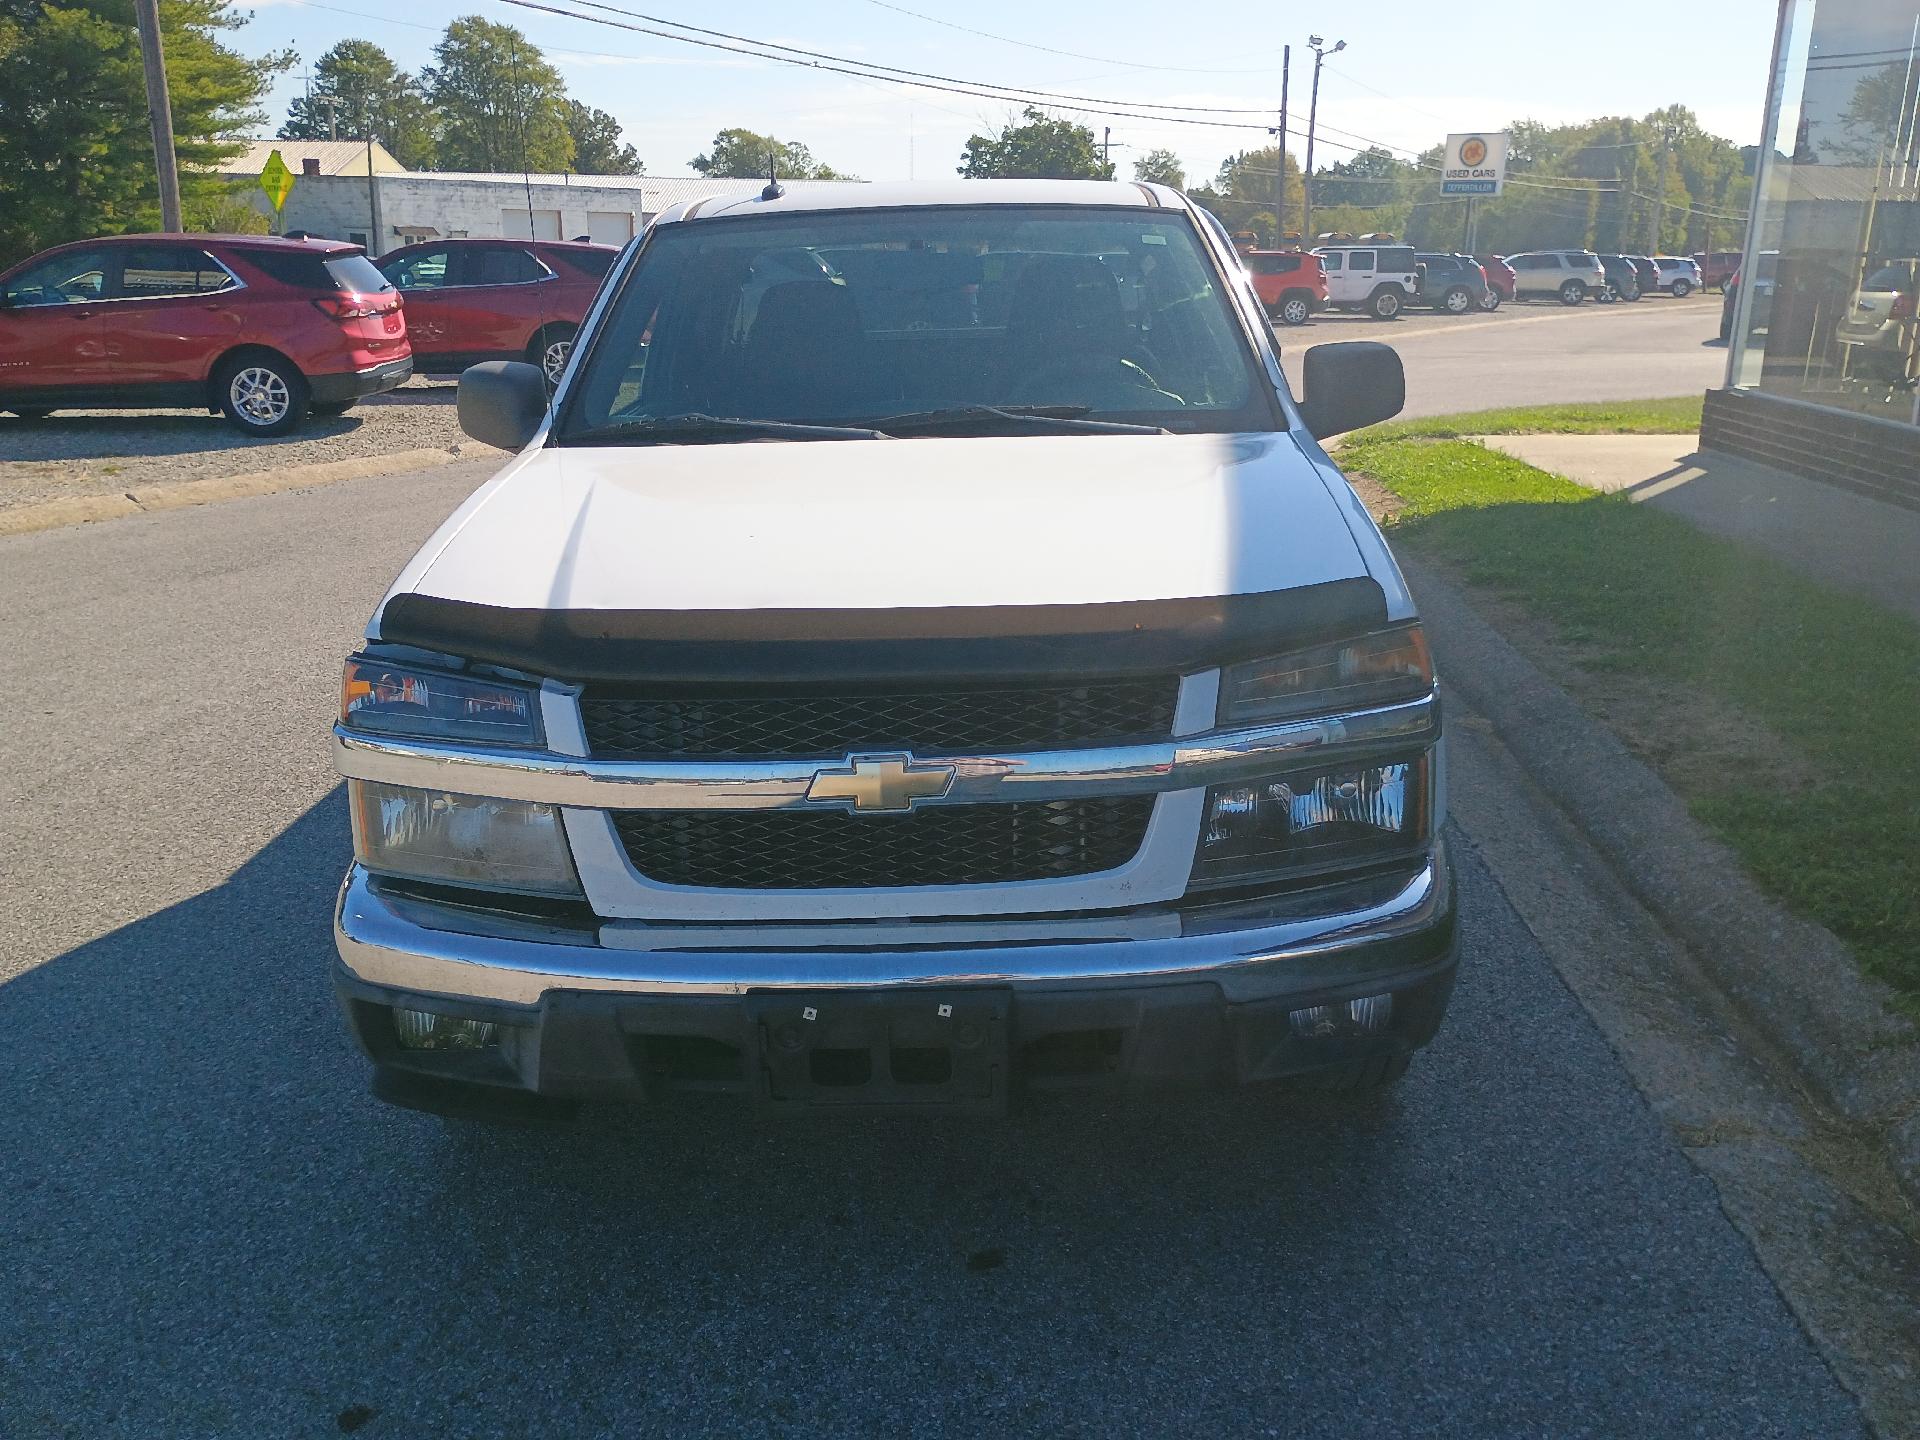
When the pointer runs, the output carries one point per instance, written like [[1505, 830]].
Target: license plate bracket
[[944, 1049]]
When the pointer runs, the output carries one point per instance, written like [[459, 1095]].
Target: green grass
[[1636, 591], [1677, 416]]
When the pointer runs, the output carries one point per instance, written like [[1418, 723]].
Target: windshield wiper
[[1058, 417], [695, 426]]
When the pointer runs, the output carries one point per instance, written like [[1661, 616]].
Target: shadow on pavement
[[84, 436], [210, 1228], [420, 394]]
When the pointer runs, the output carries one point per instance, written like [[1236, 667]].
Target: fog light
[[423, 1030], [1369, 1015], [1316, 1022]]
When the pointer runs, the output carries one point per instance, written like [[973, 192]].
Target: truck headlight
[[390, 699], [1356, 674], [1313, 820], [501, 845]]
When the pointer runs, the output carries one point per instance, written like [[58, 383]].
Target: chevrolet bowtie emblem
[[879, 783]]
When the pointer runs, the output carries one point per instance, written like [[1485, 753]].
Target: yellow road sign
[[277, 180]]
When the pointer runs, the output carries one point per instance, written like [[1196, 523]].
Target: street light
[[1320, 53]]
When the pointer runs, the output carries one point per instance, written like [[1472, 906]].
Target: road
[[1538, 354], [211, 1229]]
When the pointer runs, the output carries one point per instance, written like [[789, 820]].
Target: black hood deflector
[[939, 645]]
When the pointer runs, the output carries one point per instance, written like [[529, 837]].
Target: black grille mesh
[[833, 849], [797, 724]]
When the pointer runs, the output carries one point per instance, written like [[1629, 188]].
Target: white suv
[[1679, 277], [1569, 276], [1379, 279]]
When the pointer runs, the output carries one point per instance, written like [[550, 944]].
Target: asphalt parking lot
[[1537, 353], [212, 1230]]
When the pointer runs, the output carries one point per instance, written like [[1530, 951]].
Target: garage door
[[514, 226], [609, 227]]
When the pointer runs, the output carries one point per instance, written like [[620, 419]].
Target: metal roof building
[[333, 196]]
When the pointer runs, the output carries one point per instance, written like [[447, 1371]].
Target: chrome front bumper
[[1355, 933]]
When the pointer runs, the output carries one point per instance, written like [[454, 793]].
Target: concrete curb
[[1794, 983], [84, 509]]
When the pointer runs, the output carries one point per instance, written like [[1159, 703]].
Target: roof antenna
[[773, 189]]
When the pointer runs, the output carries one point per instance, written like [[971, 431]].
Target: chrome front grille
[[805, 723], [934, 845]]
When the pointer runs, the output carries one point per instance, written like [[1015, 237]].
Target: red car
[[1500, 276], [1717, 267], [474, 300], [1290, 284], [261, 329]]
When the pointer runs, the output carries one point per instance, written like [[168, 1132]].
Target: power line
[[1069, 54], [1383, 94], [873, 65], [923, 80]]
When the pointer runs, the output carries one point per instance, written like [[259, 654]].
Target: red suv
[[474, 300], [262, 329], [1717, 267], [1500, 278], [1290, 284]]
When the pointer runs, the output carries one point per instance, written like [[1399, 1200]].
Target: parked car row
[[268, 330], [1382, 280]]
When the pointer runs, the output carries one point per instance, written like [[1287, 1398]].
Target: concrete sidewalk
[[1842, 539]]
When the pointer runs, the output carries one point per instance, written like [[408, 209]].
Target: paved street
[[1539, 354], [212, 1230]]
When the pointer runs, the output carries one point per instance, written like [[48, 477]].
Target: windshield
[[853, 318], [1899, 276]]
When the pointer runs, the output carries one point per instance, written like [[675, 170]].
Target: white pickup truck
[[920, 654]]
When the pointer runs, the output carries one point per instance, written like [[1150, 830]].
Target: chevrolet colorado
[[920, 653]]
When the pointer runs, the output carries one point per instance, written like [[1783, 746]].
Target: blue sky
[[1405, 79]]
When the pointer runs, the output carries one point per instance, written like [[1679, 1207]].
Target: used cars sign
[[1474, 164]]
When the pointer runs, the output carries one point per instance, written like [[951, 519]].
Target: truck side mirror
[[1346, 385], [503, 402]]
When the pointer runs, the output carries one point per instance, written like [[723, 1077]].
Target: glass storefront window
[[1825, 308]]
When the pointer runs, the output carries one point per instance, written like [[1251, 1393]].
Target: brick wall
[[1874, 457]]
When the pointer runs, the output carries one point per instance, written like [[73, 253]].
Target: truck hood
[[854, 525]]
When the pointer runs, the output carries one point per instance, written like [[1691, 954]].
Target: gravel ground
[[105, 452]]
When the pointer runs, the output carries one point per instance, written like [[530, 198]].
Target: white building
[[335, 196]]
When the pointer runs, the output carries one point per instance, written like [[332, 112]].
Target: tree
[[1370, 177], [1161, 167], [596, 143], [501, 105], [1241, 195], [73, 115], [743, 155], [358, 94], [1876, 116], [1038, 148]]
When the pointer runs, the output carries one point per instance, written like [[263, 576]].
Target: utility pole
[[1320, 53], [1280, 153], [333, 117], [373, 205], [1106, 145], [1660, 192], [146, 14]]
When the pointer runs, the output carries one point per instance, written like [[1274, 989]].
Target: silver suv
[[1567, 275]]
